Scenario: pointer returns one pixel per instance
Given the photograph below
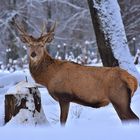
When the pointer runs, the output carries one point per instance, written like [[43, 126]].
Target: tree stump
[[23, 105]]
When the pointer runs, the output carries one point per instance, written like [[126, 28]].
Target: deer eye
[[33, 54]]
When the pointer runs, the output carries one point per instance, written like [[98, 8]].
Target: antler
[[23, 35], [44, 37], [48, 37], [53, 27], [50, 31], [21, 29], [43, 29]]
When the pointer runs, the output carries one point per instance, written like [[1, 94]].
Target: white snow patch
[[26, 118], [22, 88], [83, 122]]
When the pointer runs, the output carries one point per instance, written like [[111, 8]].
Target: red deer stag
[[70, 82]]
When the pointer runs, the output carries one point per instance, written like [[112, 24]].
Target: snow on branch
[[73, 18], [5, 21], [66, 3]]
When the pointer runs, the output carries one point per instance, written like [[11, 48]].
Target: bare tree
[[130, 10], [74, 26], [72, 17]]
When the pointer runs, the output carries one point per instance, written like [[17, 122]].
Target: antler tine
[[50, 31], [53, 27], [43, 28], [19, 28]]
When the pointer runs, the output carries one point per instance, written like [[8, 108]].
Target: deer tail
[[130, 80]]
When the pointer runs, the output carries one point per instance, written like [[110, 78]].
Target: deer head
[[36, 45]]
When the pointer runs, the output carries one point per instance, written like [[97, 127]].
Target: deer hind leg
[[64, 109], [121, 102]]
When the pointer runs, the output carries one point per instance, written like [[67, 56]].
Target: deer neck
[[38, 68]]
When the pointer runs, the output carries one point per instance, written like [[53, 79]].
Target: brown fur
[[69, 82], [91, 86]]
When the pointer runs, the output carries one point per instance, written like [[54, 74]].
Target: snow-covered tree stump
[[23, 105]]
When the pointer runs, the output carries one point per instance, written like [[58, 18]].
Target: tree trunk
[[110, 35], [104, 47], [24, 107]]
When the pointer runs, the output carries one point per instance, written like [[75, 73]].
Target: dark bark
[[15, 102], [104, 47]]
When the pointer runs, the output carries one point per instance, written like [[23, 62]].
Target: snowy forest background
[[74, 40], [74, 35]]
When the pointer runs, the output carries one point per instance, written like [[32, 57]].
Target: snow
[[83, 122], [113, 28], [72, 133], [7, 79], [21, 119], [22, 88], [29, 116]]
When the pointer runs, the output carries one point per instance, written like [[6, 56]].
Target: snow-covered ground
[[84, 123]]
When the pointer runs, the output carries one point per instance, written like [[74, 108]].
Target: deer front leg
[[64, 109]]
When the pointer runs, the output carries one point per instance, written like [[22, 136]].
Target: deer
[[71, 82]]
